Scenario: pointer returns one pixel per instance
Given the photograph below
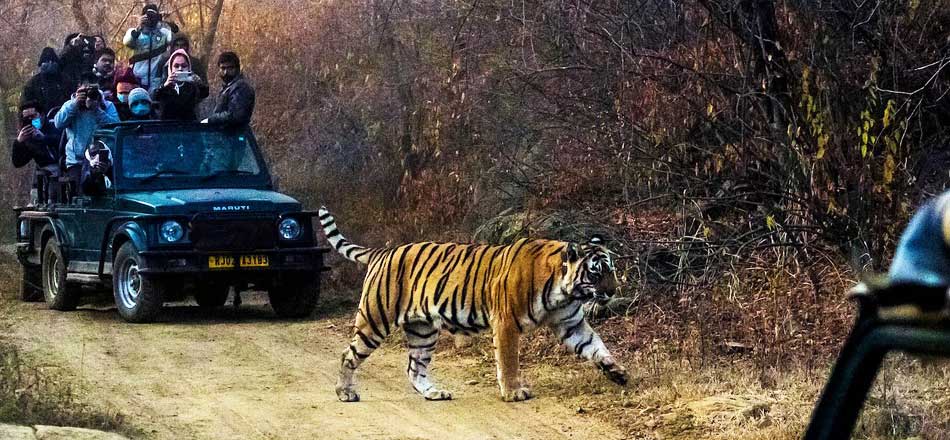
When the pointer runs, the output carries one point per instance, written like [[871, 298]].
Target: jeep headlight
[[172, 231], [289, 229]]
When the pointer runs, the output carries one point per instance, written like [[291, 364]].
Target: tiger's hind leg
[[365, 341], [421, 338]]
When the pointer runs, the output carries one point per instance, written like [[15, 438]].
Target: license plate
[[230, 261], [220, 261], [254, 261]]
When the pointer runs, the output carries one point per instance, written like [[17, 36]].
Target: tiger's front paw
[[517, 395], [615, 373], [435, 394], [347, 395]]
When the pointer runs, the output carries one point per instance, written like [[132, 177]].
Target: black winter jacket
[[235, 104]]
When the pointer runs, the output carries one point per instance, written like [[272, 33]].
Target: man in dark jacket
[[48, 88], [182, 91], [37, 142], [235, 103]]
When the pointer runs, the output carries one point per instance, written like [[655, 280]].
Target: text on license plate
[[228, 261]]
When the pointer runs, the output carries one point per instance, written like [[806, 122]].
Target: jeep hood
[[192, 201]]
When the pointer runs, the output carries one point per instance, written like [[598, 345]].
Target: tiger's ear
[[597, 240], [572, 253]]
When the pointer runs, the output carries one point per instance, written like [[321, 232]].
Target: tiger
[[467, 289]]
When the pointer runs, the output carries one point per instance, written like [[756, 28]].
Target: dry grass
[[733, 398], [34, 392]]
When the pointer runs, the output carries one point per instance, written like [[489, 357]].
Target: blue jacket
[[923, 256], [80, 125]]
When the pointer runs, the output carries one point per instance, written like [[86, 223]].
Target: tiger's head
[[589, 271]]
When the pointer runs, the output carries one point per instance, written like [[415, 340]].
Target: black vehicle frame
[[923, 331]]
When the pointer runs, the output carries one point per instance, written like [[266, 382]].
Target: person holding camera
[[182, 91], [94, 174], [149, 41], [37, 142], [48, 88], [77, 57], [80, 117]]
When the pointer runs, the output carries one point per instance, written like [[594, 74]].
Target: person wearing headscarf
[[198, 66], [48, 88], [182, 91]]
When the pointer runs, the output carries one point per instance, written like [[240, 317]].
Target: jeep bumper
[[161, 261]]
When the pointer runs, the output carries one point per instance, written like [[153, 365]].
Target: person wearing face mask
[[235, 103], [125, 82], [37, 142], [182, 91], [103, 72], [79, 117], [140, 106], [149, 42], [48, 88]]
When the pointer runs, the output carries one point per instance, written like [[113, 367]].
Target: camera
[[153, 16], [93, 92]]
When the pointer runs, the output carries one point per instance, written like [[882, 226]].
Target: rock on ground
[[43, 432]]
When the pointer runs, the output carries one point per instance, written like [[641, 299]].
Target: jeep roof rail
[[148, 122]]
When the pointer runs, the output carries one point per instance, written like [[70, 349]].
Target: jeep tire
[[31, 285], [138, 297], [59, 294], [294, 296], [211, 295]]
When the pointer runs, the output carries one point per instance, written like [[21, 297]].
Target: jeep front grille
[[233, 234]]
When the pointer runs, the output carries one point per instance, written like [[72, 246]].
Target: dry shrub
[[34, 395]]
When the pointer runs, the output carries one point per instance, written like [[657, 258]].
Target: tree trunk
[[79, 14], [753, 23], [207, 43]]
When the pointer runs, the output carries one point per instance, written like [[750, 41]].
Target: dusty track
[[244, 374]]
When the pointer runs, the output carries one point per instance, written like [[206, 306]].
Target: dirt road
[[243, 374]]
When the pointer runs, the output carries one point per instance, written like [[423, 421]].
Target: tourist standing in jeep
[[149, 41]]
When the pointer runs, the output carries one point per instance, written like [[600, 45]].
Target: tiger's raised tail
[[350, 251]]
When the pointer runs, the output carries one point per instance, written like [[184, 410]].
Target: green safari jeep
[[191, 209]]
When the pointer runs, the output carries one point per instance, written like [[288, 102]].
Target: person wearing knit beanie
[[140, 105], [125, 81]]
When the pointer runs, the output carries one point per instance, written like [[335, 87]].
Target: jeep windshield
[[188, 156]]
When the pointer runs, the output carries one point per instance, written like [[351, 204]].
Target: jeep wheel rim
[[130, 285]]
